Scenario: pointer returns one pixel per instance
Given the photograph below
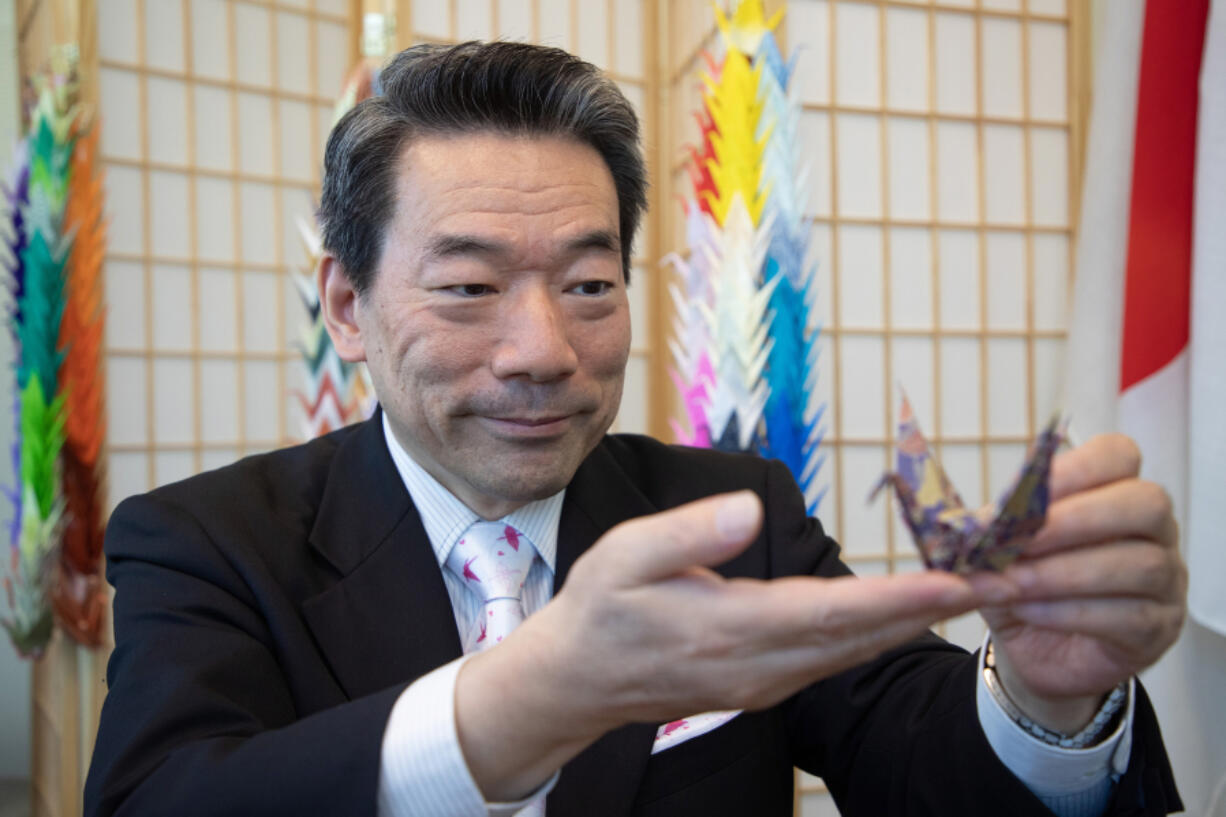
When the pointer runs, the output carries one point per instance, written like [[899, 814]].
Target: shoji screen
[[214, 114], [617, 36], [942, 176]]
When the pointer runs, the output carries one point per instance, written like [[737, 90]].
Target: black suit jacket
[[268, 614]]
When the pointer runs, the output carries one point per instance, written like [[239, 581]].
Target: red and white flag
[[1147, 338]]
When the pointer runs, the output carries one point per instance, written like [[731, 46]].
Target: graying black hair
[[503, 87]]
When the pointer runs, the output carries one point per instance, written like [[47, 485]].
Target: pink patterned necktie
[[493, 559]]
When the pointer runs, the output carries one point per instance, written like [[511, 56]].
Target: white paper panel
[[1006, 256], [1003, 5], [214, 219], [959, 387], [331, 57], [554, 19], [907, 173], [125, 206], [298, 159], [1053, 7], [323, 127], [163, 35], [293, 70], [907, 66], [125, 304], [819, 253], [119, 96], [259, 312], [959, 280], [960, 3], [210, 39], [172, 466], [256, 216], [864, 525], [255, 139], [515, 19], [957, 172], [432, 19], [634, 95], [126, 404], [172, 307], [1002, 67], [859, 157], [863, 398], [212, 123], [217, 301], [263, 398], [168, 214], [861, 273], [473, 20], [252, 35], [857, 62], [632, 417], [117, 38], [295, 313], [911, 361], [295, 203], [1003, 461], [964, 467], [955, 63], [217, 457], [910, 278], [628, 37], [1048, 71], [174, 401], [127, 474], [218, 401], [808, 30], [295, 384], [1048, 372], [966, 631], [1049, 176], [815, 135], [337, 8], [1051, 280], [1004, 166], [1008, 385], [167, 120], [593, 43]]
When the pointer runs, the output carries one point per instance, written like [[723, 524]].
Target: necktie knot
[[493, 560]]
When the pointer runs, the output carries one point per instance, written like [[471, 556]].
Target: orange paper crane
[[79, 594]]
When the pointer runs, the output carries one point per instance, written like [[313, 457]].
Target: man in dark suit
[[289, 640]]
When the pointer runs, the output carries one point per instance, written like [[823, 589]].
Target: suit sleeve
[[901, 734], [199, 718]]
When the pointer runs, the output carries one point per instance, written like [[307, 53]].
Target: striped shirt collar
[[445, 517]]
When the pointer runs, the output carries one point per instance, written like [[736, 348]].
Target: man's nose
[[533, 338]]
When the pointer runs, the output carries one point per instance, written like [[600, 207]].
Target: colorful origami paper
[[54, 238], [950, 536], [335, 393], [744, 344]]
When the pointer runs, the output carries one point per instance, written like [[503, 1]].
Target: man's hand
[[644, 630], [1102, 588]]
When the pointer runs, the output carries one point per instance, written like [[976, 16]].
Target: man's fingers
[[703, 533], [1100, 460], [1128, 568], [1135, 626], [1125, 508]]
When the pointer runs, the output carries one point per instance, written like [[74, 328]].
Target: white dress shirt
[[423, 770]]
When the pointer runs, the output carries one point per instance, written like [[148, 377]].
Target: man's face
[[497, 326]]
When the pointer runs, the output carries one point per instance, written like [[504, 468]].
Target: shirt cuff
[[1052, 771], [422, 770]]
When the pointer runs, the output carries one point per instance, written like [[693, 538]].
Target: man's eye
[[594, 287], [472, 290]]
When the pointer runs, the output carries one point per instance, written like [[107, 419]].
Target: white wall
[[14, 672]]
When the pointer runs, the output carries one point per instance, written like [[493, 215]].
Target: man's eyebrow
[[449, 246]]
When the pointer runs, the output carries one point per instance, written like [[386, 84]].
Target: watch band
[[1094, 732]]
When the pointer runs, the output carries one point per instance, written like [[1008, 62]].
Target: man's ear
[[339, 302]]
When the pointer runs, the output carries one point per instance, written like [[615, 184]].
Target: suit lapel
[[603, 779], [388, 620]]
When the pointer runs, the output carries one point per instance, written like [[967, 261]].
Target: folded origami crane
[[948, 535]]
